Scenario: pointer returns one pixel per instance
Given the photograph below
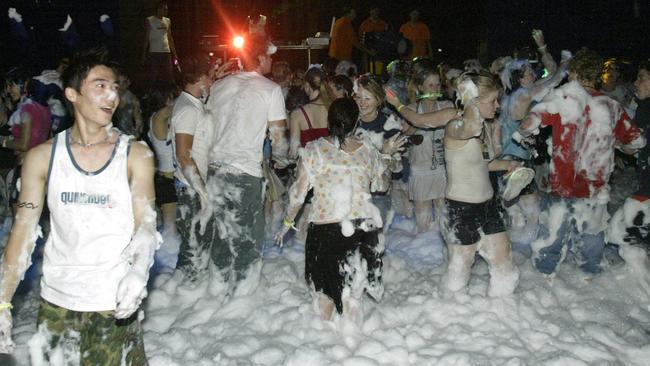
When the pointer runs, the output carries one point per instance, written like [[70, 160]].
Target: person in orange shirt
[[373, 24], [418, 33], [344, 37]]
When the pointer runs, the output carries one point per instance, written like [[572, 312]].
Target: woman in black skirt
[[343, 248]]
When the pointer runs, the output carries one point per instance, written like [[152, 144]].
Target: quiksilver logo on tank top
[[82, 198]]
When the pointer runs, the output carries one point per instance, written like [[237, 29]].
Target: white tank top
[[91, 218], [468, 178], [163, 149], [158, 30]]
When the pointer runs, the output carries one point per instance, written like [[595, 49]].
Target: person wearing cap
[[245, 107]]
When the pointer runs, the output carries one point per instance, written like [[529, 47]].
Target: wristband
[[6, 305], [542, 48], [288, 223], [399, 109]]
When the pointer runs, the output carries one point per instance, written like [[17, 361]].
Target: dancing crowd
[[249, 149]]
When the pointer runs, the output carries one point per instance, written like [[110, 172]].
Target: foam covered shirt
[[585, 127], [190, 117], [92, 222], [242, 105], [341, 181]]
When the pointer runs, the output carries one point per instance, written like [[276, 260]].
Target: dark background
[[461, 29]]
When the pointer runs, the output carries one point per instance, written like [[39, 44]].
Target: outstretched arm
[[431, 120]]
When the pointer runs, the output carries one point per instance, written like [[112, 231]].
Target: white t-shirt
[[92, 222], [158, 30], [190, 117], [242, 106]]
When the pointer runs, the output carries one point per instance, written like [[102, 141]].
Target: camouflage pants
[[238, 210], [196, 241], [89, 338]]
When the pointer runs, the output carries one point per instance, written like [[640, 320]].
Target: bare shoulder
[[37, 158], [140, 155]]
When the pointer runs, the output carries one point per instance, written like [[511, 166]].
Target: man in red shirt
[[586, 127]]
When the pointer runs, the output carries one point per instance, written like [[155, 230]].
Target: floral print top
[[341, 181]]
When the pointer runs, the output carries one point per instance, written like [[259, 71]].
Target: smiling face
[[488, 104], [98, 97], [368, 104], [430, 85]]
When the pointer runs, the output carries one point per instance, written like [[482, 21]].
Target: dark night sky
[[459, 28]]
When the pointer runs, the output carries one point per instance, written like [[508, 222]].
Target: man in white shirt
[[188, 134], [245, 106], [103, 229]]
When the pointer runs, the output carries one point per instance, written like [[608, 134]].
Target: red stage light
[[238, 42]]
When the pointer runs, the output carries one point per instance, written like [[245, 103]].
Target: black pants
[[327, 251]]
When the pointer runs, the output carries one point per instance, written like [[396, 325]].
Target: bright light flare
[[238, 42]]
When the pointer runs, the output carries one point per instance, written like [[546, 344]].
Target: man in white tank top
[[158, 49], [103, 237]]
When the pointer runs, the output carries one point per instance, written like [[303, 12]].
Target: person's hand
[[226, 69], [391, 97], [131, 290], [394, 144], [279, 236], [6, 343], [538, 37]]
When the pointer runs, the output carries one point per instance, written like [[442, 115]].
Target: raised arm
[[139, 254], [24, 232]]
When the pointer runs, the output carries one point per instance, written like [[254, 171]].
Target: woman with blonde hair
[[473, 223], [428, 179]]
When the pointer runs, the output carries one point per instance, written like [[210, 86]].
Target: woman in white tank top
[[473, 223]]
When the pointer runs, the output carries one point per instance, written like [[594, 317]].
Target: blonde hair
[[373, 85]]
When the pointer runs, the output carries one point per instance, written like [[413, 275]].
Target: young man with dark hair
[[100, 194], [189, 132], [245, 106], [586, 127]]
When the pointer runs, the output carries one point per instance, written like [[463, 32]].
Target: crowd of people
[[326, 157]]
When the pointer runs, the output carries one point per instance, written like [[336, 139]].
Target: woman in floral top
[[344, 225]]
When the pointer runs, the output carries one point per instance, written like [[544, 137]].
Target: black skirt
[[327, 251]]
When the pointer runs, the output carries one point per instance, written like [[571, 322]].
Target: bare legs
[[497, 251]]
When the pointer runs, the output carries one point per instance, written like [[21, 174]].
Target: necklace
[[82, 144]]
